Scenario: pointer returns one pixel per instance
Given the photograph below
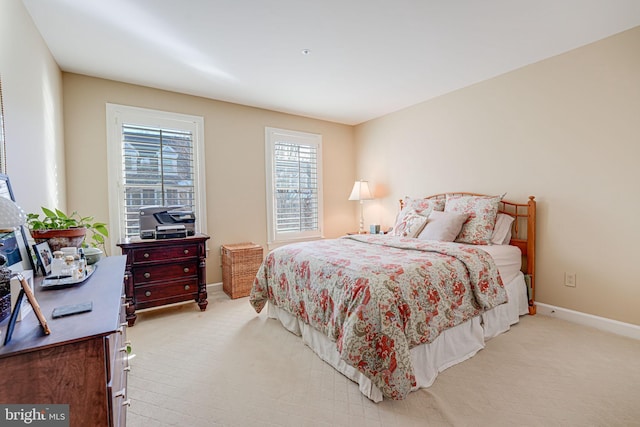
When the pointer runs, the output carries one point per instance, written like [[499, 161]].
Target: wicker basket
[[240, 263]]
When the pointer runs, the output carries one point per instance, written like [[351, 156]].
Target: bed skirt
[[451, 347]]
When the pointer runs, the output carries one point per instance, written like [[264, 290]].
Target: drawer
[[117, 375], [119, 401], [120, 405], [123, 310], [166, 293], [164, 272], [165, 253], [117, 385], [115, 347]]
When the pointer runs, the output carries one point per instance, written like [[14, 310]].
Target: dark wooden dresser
[[165, 271], [83, 362]]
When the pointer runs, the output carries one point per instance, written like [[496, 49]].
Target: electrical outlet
[[570, 279]]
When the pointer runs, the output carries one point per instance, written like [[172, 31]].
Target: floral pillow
[[411, 225], [421, 207], [443, 226], [482, 210]]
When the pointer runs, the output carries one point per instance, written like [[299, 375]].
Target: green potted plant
[[60, 229]]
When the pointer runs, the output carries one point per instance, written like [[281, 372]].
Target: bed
[[392, 311]]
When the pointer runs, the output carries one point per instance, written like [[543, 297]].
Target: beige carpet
[[229, 366]]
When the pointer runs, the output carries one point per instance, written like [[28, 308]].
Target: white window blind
[[296, 187], [154, 158], [158, 169], [293, 185]]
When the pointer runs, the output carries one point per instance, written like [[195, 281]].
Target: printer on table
[[166, 222]]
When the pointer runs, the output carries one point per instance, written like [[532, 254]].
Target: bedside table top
[[137, 241]]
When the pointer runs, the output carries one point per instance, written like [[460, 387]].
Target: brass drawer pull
[[187, 287], [146, 255], [147, 294], [186, 269], [186, 251], [147, 275]]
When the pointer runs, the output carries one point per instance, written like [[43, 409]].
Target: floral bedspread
[[377, 297]]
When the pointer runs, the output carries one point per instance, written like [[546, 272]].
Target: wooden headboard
[[523, 235]]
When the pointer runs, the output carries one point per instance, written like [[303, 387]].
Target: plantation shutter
[[296, 187], [158, 168]]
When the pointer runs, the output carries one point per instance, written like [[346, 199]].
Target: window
[[155, 158], [294, 185]]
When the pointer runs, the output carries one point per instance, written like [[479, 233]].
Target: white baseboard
[[214, 286], [602, 323]]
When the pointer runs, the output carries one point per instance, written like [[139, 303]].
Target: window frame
[[117, 115], [272, 136]]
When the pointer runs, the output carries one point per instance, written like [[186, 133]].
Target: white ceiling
[[368, 57]]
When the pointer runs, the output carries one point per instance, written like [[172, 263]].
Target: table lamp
[[11, 215], [361, 192]]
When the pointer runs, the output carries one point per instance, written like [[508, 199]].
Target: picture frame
[[44, 257], [15, 245], [26, 290], [34, 304], [24, 309]]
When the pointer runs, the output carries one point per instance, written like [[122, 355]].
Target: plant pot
[[70, 237]]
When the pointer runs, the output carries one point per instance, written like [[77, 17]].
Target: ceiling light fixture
[[306, 52]]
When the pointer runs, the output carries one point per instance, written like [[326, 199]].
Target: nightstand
[[163, 272]]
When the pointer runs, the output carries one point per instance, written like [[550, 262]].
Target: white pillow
[[502, 229], [443, 226]]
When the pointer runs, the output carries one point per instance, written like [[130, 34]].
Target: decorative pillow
[[417, 207], [502, 230], [443, 226], [482, 210], [411, 225]]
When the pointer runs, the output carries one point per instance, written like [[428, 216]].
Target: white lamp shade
[[11, 215], [361, 191]]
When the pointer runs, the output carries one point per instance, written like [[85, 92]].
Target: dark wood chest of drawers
[[83, 363], [166, 271]]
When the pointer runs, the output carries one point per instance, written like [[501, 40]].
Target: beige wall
[[235, 159], [565, 130], [32, 95]]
